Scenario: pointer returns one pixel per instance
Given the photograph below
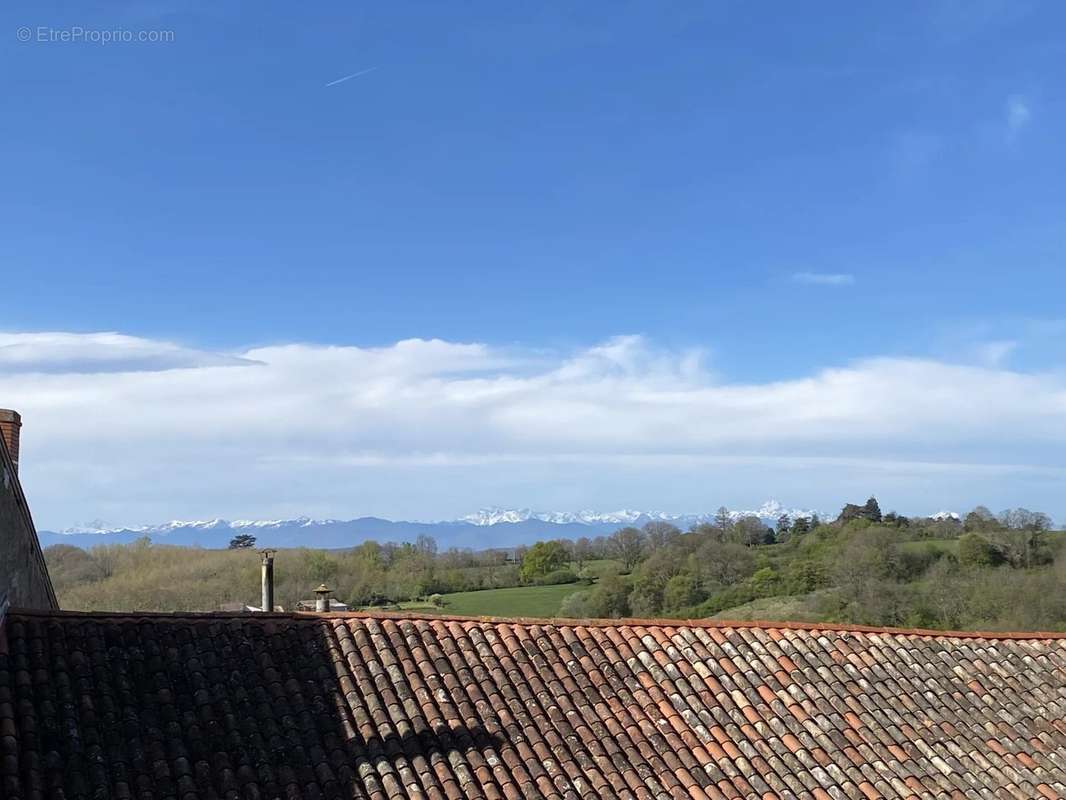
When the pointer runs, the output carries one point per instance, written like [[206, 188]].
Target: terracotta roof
[[250, 707]]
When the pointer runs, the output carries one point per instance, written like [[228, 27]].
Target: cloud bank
[[134, 430]]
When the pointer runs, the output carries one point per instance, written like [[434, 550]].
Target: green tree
[[723, 563], [977, 551], [870, 552], [542, 558], [871, 510], [681, 591], [320, 565], [765, 581], [241, 540], [896, 520], [610, 598], [784, 527], [646, 599], [980, 520], [804, 576], [751, 531]]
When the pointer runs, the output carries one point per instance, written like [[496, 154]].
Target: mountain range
[[489, 527]]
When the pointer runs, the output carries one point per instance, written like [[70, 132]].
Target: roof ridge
[[625, 622]]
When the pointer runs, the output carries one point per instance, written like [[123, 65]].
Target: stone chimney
[[10, 423]]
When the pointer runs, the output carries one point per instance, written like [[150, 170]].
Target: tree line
[[864, 566]]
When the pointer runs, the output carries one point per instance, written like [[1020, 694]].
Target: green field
[[520, 601]]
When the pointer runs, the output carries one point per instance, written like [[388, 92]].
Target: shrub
[[804, 576], [575, 605], [977, 551], [557, 577], [610, 598], [646, 599], [680, 592], [724, 598], [765, 582]]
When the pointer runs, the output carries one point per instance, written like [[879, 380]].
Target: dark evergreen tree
[[784, 525], [241, 540], [871, 510]]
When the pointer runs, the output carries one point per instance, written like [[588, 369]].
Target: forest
[[984, 571]]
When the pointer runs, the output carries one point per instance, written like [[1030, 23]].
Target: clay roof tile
[[328, 706]]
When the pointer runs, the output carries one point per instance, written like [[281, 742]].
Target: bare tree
[[660, 534], [723, 520], [627, 545], [582, 551]]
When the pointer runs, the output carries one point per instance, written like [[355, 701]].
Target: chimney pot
[[322, 598], [10, 423]]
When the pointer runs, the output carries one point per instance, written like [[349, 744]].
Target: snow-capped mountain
[[770, 511], [941, 516], [491, 527], [497, 516], [99, 526]]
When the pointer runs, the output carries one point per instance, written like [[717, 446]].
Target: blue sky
[[778, 191]]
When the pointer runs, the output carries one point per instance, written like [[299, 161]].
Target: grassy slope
[[931, 545], [790, 608]]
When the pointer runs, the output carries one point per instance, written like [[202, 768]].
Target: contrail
[[349, 77]]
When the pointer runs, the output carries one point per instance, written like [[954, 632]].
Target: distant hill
[[492, 527]]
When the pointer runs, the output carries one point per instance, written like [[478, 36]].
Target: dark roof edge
[[20, 501], [163, 616]]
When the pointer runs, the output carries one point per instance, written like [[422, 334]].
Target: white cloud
[[1017, 116], [100, 352], [824, 278], [430, 428]]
